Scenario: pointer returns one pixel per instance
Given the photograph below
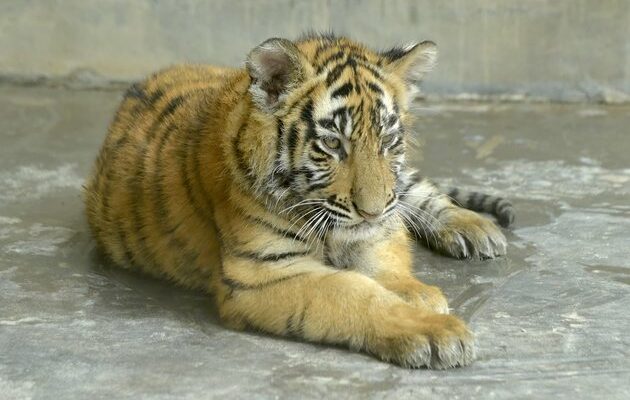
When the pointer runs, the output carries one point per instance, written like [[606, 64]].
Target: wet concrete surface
[[551, 318]]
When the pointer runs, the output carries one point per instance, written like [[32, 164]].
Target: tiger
[[281, 189]]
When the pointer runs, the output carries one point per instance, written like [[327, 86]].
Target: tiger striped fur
[[282, 189]]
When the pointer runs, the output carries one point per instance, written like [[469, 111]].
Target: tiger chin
[[282, 189]]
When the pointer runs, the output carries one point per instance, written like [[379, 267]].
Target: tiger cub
[[282, 189]]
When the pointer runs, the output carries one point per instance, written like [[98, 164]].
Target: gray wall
[[556, 49]]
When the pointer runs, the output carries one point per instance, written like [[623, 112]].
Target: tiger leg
[[304, 298], [448, 228], [390, 263]]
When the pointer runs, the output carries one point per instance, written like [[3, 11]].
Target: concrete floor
[[551, 318]]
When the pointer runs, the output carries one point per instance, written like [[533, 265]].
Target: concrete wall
[[556, 49]]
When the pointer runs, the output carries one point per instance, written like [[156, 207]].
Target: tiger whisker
[[302, 203], [295, 220], [314, 228], [322, 231], [426, 213], [408, 222], [414, 226], [437, 196], [308, 222], [415, 210], [422, 219]]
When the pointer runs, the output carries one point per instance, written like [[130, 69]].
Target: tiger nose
[[369, 215]]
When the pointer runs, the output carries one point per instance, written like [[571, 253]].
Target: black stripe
[[317, 149], [171, 107], [340, 111], [327, 260], [155, 97], [106, 193], [481, 199], [237, 285], [318, 159], [238, 154], [279, 138], [392, 148], [124, 243], [334, 202], [334, 57], [336, 213], [356, 117], [307, 112], [275, 229], [416, 177], [269, 257], [292, 142], [316, 186], [375, 88], [453, 193], [107, 162], [186, 152], [292, 138], [195, 131], [160, 200], [289, 330], [424, 203], [395, 53], [166, 112], [300, 325], [506, 216], [343, 91], [307, 117], [506, 204], [327, 123], [326, 174], [135, 188], [307, 172], [318, 51], [290, 107], [284, 179], [494, 205], [113, 153], [404, 192], [136, 91], [440, 211], [372, 70], [390, 201], [295, 326], [472, 200], [335, 74]]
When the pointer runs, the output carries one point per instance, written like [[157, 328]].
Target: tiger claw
[[466, 234]]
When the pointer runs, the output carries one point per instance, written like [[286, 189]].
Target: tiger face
[[341, 112]]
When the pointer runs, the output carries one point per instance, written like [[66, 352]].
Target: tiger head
[[342, 116]]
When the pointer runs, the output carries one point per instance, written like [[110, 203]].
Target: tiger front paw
[[461, 233], [435, 341], [418, 294]]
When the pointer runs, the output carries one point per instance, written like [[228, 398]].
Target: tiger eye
[[332, 143]]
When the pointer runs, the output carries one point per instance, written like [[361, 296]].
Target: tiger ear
[[275, 66], [411, 62]]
